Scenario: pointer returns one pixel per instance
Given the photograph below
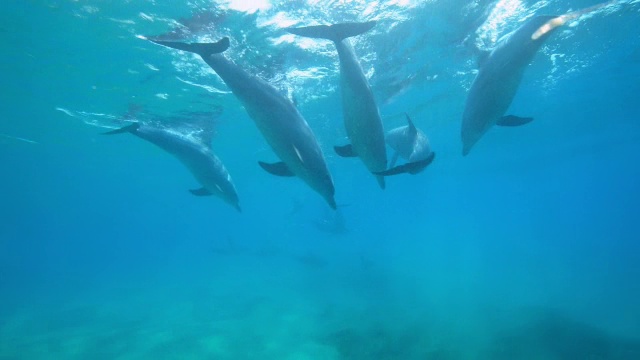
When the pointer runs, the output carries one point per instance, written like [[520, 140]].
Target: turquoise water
[[527, 248]]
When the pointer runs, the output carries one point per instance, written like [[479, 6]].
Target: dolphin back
[[202, 49], [335, 33]]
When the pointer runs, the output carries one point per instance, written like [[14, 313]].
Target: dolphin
[[498, 79], [196, 155], [412, 145], [361, 116], [279, 121]]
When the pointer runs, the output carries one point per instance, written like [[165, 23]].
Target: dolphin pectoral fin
[[345, 151], [127, 129], [336, 32], [278, 168], [417, 166], [202, 49], [410, 168], [200, 192], [400, 169], [512, 120]]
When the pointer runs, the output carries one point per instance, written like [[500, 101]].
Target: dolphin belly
[[361, 116]]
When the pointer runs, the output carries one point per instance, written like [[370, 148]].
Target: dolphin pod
[[276, 117], [361, 116], [195, 155], [292, 140]]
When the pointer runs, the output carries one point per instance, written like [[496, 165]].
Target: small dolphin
[[412, 145], [276, 117], [195, 155], [361, 117], [498, 79]]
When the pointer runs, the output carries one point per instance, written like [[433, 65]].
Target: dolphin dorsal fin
[[412, 127], [199, 126]]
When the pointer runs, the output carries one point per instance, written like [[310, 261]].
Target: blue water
[[525, 249]]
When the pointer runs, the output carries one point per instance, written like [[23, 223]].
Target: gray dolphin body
[[361, 116], [195, 155], [498, 79], [279, 121], [411, 144]]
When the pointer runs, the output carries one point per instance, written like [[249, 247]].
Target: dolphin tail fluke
[[336, 32], [202, 49], [127, 129], [408, 168]]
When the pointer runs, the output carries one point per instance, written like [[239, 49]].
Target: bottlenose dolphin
[[276, 117], [361, 117], [498, 79], [196, 155], [411, 144]]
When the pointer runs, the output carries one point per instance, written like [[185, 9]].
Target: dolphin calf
[[411, 144], [196, 155], [361, 117], [276, 117], [498, 79]]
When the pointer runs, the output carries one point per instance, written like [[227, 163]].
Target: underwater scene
[[305, 179]]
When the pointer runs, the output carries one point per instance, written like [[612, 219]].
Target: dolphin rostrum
[[195, 154], [411, 144], [279, 121], [361, 116]]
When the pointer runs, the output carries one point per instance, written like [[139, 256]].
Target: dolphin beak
[[465, 150], [332, 203]]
